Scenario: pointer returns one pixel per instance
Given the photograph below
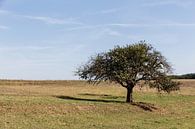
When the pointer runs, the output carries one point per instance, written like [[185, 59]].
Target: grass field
[[78, 105]]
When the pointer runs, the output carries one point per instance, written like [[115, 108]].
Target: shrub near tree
[[184, 76], [127, 66]]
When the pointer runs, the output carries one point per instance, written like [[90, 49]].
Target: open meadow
[[78, 105]]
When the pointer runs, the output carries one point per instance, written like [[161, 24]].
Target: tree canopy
[[128, 65]]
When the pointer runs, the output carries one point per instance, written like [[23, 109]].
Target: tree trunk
[[129, 94]]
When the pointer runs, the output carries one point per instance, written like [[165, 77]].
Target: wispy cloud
[[84, 27], [130, 25], [106, 11], [51, 20], [44, 19], [181, 25], [102, 12], [112, 32], [59, 21], [109, 11], [4, 12], [3, 27], [25, 48], [180, 3], [153, 25]]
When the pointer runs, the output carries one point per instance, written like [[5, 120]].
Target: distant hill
[[184, 76]]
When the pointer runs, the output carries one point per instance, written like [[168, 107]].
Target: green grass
[[77, 105]]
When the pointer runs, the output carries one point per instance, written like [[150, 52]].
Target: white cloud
[[153, 25], [104, 29], [85, 27], [111, 32], [180, 24], [51, 20], [130, 25], [44, 19], [180, 3], [24, 48], [106, 11], [3, 27], [4, 12]]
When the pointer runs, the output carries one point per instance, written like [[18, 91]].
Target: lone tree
[[127, 66]]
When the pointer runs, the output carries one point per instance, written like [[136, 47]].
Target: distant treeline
[[184, 76]]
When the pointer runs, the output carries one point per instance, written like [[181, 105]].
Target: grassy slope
[[76, 105]]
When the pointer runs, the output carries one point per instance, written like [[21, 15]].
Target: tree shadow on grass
[[142, 105], [106, 96], [89, 100], [145, 106]]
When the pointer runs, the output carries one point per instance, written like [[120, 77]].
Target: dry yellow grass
[[76, 104], [19, 87]]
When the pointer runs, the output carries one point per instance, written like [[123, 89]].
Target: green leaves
[[165, 84], [128, 65]]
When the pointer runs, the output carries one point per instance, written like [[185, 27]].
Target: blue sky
[[49, 39]]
